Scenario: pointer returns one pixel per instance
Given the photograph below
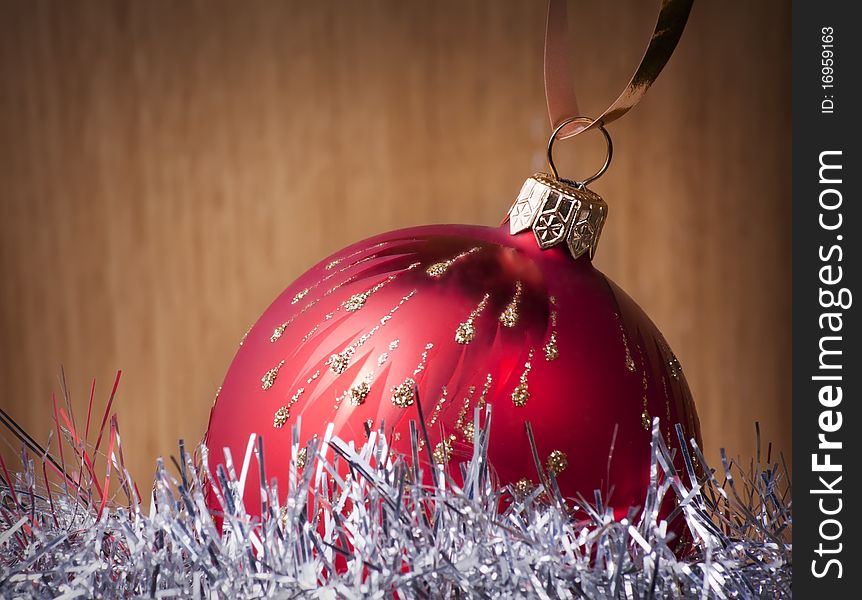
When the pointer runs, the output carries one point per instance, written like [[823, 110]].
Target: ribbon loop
[[559, 79]]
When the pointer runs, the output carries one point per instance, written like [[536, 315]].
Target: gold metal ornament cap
[[558, 212]]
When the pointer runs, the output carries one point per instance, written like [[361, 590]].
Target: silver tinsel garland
[[374, 534]]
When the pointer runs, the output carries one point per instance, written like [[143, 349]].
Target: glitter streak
[[462, 414], [403, 395], [439, 406], [629, 360], [675, 367], [424, 359], [646, 421], [439, 269], [509, 316], [521, 393], [523, 488], [269, 377], [339, 362], [469, 431], [485, 389], [443, 452], [557, 462], [281, 417], [466, 331], [551, 350], [283, 413], [279, 330], [301, 458], [358, 393], [357, 301]]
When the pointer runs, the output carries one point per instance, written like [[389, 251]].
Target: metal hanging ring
[[608, 142]]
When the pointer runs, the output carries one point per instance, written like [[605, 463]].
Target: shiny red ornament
[[467, 316]]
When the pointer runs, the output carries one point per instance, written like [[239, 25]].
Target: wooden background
[[166, 168]]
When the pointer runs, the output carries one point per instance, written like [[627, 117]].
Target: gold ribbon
[[559, 78]]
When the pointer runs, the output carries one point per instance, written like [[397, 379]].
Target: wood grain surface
[[166, 168]]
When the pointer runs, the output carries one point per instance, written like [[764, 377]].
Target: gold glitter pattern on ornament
[[328, 316], [308, 335], [339, 362], [469, 431], [557, 462], [485, 389], [442, 452], [466, 331], [279, 331], [509, 316], [551, 350], [645, 420], [462, 414], [296, 397], [283, 413], [439, 269], [357, 301], [674, 366], [358, 393], [301, 458], [269, 377], [423, 360], [523, 488], [435, 414], [299, 296], [629, 360], [381, 360], [645, 417], [404, 395], [280, 418], [675, 371], [521, 393], [335, 262]]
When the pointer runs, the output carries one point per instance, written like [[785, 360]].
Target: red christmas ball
[[465, 316]]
